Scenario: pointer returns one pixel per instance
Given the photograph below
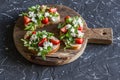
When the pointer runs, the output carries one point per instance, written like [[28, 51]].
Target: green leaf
[[30, 26], [43, 57], [67, 45], [62, 37], [33, 8], [49, 48], [54, 14], [67, 34], [23, 14], [23, 40], [59, 26]]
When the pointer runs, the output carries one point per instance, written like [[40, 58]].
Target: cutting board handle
[[100, 35]]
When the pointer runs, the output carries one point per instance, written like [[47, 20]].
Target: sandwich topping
[[41, 42], [71, 31], [39, 16]]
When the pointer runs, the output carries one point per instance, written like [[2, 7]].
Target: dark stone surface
[[99, 62]]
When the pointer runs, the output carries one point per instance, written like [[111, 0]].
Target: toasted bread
[[76, 46], [54, 49], [73, 46]]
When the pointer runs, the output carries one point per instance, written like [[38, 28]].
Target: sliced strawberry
[[34, 32], [67, 17], [55, 42], [52, 10], [79, 40], [42, 41], [28, 37], [45, 20], [64, 30], [26, 20], [80, 28]]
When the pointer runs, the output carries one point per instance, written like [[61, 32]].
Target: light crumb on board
[[1, 71], [6, 48]]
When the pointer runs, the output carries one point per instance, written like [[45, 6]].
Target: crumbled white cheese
[[54, 19], [28, 32], [80, 22], [46, 44], [34, 20], [40, 48], [43, 6], [44, 36], [30, 42], [47, 14], [31, 14], [72, 30], [39, 15], [25, 42], [45, 47], [73, 34], [80, 34], [68, 26], [74, 22], [33, 37], [54, 38]]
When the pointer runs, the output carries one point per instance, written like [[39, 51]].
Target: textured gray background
[[99, 62]]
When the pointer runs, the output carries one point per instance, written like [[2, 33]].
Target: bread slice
[[73, 46], [51, 18], [76, 46], [54, 49]]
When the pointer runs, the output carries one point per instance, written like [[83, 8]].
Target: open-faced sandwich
[[41, 43], [71, 32], [38, 16]]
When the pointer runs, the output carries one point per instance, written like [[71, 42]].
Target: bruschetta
[[71, 32], [39, 16], [41, 43]]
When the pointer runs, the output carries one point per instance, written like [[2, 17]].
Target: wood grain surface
[[97, 35]]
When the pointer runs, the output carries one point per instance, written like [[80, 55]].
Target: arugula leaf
[[62, 37], [34, 8], [43, 57], [30, 26], [59, 26], [23, 14]]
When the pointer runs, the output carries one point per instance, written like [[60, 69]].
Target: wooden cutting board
[[96, 35]]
